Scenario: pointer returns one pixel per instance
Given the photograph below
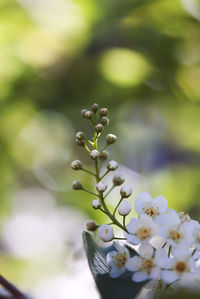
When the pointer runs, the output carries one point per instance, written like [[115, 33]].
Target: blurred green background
[[139, 58]]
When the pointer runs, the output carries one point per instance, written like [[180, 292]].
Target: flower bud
[[96, 204], [94, 154], [76, 165], [118, 180], [103, 111], [88, 114], [103, 156], [111, 138], [124, 208], [83, 112], [91, 225], [101, 187], [104, 121], [76, 185], [80, 142], [99, 128], [126, 191], [105, 232], [95, 107], [112, 165], [80, 135]]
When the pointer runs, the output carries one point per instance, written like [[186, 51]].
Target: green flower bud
[[83, 112], [91, 225], [103, 111], [88, 114], [118, 180], [103, 156], [94, 154], [112, 165], [80, 142], [76, 185], [104, 121], [98, 128], [95, 107], [76, 165], [111, 138], [80, 135]]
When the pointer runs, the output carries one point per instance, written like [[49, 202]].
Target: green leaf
[[108, 287]]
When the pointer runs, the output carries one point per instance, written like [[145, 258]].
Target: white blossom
[[141, 230], [105, 232], [144, 204], [124, 208], [117, 259], [112, 165], [146, 265]]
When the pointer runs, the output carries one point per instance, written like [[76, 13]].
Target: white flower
[[144, 204], [146, 266], [174, 231], [196, 235], [117, 259], [141, 230], [96, 204], [101, 187], [112, 165], [105, 232], [124, 208], [182, 266], [126, 191]]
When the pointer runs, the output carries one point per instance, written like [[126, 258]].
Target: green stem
[[124, 221], [117, 206], [105, 174], [109, 191], [92, 173], [90, 192]]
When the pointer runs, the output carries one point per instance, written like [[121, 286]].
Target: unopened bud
[[101, 187], [91, 225], [118, 180], [96, 204], [76, 165], [83, 112], [80, 135], [103, 111], [99, 128], [104, 121], [94, 154], [105, 232], [111, 138], [88, 114], [126, 191], [104, 155], [76, 185], [112, 165], [124, 208], [80, 142], [95, 107]]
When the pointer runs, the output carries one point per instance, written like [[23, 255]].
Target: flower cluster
[[168, 243]]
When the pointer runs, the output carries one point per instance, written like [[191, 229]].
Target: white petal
[[155, 273], [109, 257], [141, 201], [162, 260], [116, 272], [146, 250], [162, 203], [140, 276], [144, 196], [181, 251], [133, 239], [168, 276], [132, 226], [134, 263]]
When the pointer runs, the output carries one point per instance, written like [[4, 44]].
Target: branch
[[12, 289]]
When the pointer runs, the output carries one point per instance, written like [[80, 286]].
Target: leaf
[[108, 287]]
